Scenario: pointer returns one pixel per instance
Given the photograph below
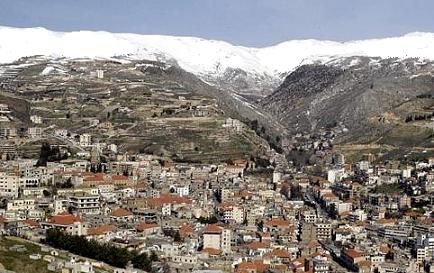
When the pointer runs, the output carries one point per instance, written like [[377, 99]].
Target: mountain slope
[[248, 70], [368, 98]]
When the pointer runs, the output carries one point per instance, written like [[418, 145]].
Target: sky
[[255, 23]]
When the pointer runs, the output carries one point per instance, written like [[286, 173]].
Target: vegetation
[[108, 253], [388, 188], [332, 211], [262, 132], [49, 154], [210, 220], [20, 261], [406, 136]]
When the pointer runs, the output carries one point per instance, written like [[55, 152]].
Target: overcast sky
[[245, 22]]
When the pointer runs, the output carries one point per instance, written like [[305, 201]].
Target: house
[[256, 266], [351, 258], [101, 232], [258, 248], [121, 215], [69, 223], [186, 230], [148, 228], [85, 203], [121, 181], [278, 225], [280, 256]]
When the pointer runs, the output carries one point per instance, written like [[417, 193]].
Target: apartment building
[[216, 237], [86, 204]]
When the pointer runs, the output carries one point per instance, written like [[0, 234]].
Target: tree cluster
[[49, 154], [262, 132], [210, 220], [108, 253]]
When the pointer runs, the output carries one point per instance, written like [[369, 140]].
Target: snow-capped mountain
[[213, 61]]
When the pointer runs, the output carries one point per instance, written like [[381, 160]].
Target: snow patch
[[200, 56]]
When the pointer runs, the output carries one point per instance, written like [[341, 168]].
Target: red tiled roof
[[353, 253], [258, 266], [119, 177], [167, 199], [299, 262], [186, 230], [313, 243], [386, 221], [280, 253], [120, 212], [101, 230], [329, 196], [384, 248], [212, 251], [31, 223], [257, 245], [278, 222], [94, 178], [212, 229], [65, 219], [144, 226]]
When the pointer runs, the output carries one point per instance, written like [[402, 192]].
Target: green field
[[20, 261]]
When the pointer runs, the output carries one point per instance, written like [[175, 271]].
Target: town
[[80, 193]]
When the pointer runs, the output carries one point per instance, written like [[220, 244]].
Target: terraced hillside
[[139, 106]]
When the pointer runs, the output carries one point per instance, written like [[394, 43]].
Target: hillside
[[141, 106], [371, 99]]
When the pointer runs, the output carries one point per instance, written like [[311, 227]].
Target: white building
[[234, 214], [34, 132], [426, 242], [335, 175], [233, 124], [21, 204], [216, 237], [358, 215], [85, 204], [100, 74], [276, 177], [85, 140], [61, 133], [36, 119], [181, 190], [71, 224], [9, 184]]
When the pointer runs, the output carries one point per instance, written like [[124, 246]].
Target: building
[[233, 214], [21, 204], [71, 224], [425, 247], [9, 184], [100, 74], [335, 175], [309, 216], [36, 119], [34, 132], [121, 215], [351, 258], [358, 215], [88, 204], [323, 231], [85, 140], [216, 237]]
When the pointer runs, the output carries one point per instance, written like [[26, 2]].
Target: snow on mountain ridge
[[201, 56]]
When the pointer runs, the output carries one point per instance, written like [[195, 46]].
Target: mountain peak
[[201, 56]]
